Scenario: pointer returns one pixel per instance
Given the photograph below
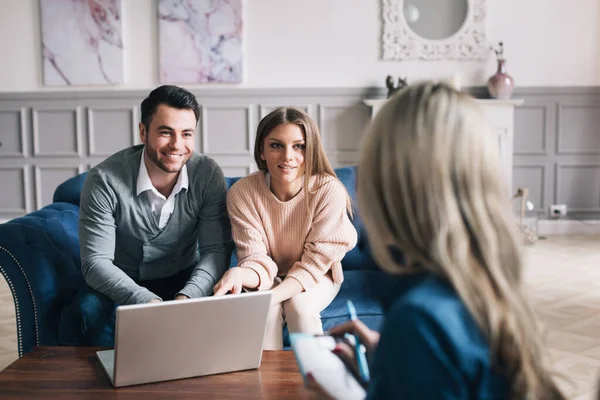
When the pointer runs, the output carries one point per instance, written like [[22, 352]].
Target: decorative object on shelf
[[500, 85], [528, 219], [393, 88], [81, 42], [200, 41], [450, 30]]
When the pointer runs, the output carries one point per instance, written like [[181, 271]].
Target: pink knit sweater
[[285, 238]]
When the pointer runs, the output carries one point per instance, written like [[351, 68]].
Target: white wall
[[335, 43]]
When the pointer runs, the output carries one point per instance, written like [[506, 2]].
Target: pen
[[359, 350]]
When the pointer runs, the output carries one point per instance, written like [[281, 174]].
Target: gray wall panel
[[56, 132], [233, 171], [578, 129], [343, 126], [533, 178], [13, 132], [13, 201], [579, 187], [54, 135], [47, 178], [531, 123], [572, 142], [227, 130], [110, 129], [267, 108]]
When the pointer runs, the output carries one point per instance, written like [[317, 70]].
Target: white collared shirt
[[162, 207]]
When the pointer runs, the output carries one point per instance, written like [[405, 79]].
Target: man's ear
[[143, 133]]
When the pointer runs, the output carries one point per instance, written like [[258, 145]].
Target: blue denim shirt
[[431, 347]]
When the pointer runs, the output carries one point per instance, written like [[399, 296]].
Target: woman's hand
[[368, 337], [285, 290], [232, 281], [345, 349]]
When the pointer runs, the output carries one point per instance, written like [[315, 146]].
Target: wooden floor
[[563, 280]]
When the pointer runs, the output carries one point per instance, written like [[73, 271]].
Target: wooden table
[[75, 372]]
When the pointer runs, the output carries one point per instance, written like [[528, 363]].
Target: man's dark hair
[[172, 96]]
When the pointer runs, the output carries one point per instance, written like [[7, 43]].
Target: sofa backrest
[[360, 256], [357, 258], [70, 190]]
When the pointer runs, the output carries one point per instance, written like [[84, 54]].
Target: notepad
[[313, 354]]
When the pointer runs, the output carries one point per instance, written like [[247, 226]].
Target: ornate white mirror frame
[[401, 43]]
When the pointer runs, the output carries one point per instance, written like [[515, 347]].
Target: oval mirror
[[435, 19]]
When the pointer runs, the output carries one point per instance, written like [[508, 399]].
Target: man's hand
[[155, 301], [232, 281], [181, 297]]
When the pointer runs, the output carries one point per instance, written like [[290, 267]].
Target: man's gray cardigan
[[121, 242]]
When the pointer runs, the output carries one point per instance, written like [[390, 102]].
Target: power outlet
[[558, 210]]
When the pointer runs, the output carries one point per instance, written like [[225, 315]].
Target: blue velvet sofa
[[39, 257]]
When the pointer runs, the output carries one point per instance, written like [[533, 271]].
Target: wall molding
[[39, 169], [264, 109], [559, 130], [25, 184], [542, 167], [544, 133], [340, 113], [249, 130], [76, 114], [559, 168], [91, 130], [22, 134], [76, 95]]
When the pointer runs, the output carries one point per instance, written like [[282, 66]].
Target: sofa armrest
[[37, 260]]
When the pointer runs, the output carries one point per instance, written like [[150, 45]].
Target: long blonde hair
[[316, 162], [430, 185]]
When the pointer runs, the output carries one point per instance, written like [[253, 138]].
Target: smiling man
[[153, 222]]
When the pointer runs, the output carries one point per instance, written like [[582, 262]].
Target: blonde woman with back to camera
[[437, 213], [290, 224]]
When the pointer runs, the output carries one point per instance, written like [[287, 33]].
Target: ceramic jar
[[501, 85]]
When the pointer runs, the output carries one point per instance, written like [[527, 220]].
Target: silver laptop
[[181, 339]]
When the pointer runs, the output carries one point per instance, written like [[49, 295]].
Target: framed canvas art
[[81, 42], [200, 41]]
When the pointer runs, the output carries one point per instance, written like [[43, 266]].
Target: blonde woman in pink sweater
[[291, 225]]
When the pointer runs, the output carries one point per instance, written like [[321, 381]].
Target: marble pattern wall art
[[81, 42], [200, 41]]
